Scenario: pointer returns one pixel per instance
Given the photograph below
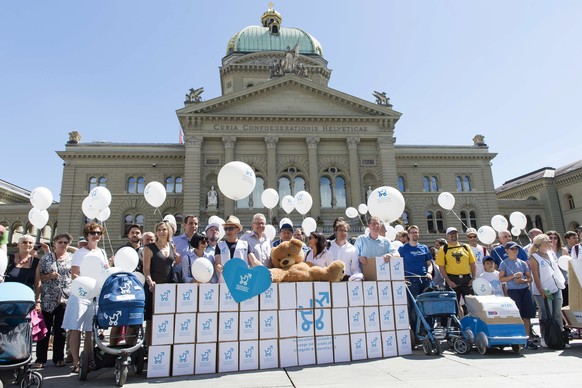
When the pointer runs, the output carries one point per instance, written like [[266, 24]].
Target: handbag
[[39, 330], [552, 331]]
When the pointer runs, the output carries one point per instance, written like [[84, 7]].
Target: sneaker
[[531, 346], [543, 343]]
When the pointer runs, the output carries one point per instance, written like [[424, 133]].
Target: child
[[492, 276]]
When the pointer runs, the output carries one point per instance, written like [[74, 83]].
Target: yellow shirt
[[458, 259]]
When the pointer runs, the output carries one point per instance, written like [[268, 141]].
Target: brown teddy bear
[[288, 265]]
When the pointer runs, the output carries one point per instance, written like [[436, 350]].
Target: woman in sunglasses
[[79, 312], [199, 242], [559, 250]]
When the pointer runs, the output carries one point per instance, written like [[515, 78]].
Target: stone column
[[229, 142], [192, 175], [355, 180], [271, 142], [312, 142]]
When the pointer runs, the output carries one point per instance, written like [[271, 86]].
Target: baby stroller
[[16, 303], [438, 308], [121, 303]]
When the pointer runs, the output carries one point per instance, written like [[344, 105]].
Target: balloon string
[[465, 225], [108, 238], [159, 212]]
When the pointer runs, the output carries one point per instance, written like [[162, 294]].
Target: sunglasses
[[95, 233], [229, 228], [63, 242]]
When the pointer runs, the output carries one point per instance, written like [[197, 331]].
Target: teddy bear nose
[[285, 262]]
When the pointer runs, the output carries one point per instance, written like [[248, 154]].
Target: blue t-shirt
[[511, 267], [415, 259], [500, 255]]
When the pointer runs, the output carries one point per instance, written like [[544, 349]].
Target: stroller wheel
[[32, 379], [427, 346], [121, 371], [516, 349], [437, 348], [83, 366], [461, 346]]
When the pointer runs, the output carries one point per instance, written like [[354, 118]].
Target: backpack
[[121, 301], [465, 247]]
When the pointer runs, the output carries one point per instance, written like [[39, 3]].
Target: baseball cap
[[451, 229], [471, 231], [212, 225], [488, 258], [510, 245], [287, 227], [82, 239]]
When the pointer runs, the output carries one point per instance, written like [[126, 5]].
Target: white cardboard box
[[227, 326], [356, 319], [248, 355], [248, 325], [251, 304], [208, 297], [186, 298], [205, 358], [159, 361], [389, 343], [401, 317], [322, 322], [287, 323], [340, 321], [355, 294], [185, 329], [399, 292], [358, 346], [386, 318], [404, 342], [288, 352], [341, 348], [183, 360], [322, 295], [370, 293], [376, 269], [164, 298], [374, 343], [227, 356], [269, 354], [396, 268], [287, 296], [225, 300], [268, 324], [385, 294], [304, 294], [372, 319], [305, 323], [207, 327], [339, 294], [324, 350], [163, 329], [269, 300], [306, 350]]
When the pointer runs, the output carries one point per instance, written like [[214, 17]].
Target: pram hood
[[16, 299]]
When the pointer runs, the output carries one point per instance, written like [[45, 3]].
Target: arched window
[[570, 200], [102, 182], [298, 184], [401, 184], [469, 219], [170, 184], [459, 183], [131, 185], [430, 224], [405, 217], [467, 183], [340, 192], [434, 185], [529, 224], [539, 223], [472, 219], [465, 219], [325, 192], [92, 183], [439, 221], [140, 185], [179, 184], [130, 219], [284, 187], [425, 184]]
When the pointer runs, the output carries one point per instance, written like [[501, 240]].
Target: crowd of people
[[527, 274]]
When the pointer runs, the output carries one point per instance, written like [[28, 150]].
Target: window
[[439, 222], [325, 192], [102, 182], [284, 187], [430, 225], [401, 184], [92, 183], [140, 184], [459, 184], [473, 219], [291, 182], [570, 200], [332, 188], [254, 199], [425, 184], [405, 217], [430, 184], [463, 183], [131, 185], [179, 184], [529, 224], [130, 219], [434, 186], [469, 219], [467, 183], [170, 184], [538, 222], [298, 185], [340, 192]]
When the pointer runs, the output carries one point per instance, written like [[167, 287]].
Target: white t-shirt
[[480, 254], [348, 254], [493, 279]]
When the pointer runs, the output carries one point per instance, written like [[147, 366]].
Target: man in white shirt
[[259, 241], [341, 249], [478, 250]]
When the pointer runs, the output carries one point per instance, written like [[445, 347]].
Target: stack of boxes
[[199, 329]]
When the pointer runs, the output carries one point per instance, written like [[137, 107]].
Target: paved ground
[[534, 368]]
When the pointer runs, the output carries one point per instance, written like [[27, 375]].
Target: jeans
[[555, 306]]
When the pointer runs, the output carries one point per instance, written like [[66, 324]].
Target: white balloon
[[351, 212], [386, 203], [101, 197], [362, 208], [270, 198], [390, 232], [270, 232], [563, 262], [486, 234], [236, 180], [127, 259], [518, 219], [155, 194], [140, 276], [446, 200], [83, 287], [3, 261], [303, 202], [309, 225], [499, 223], [104, 215], [288, 203], [38, 218], [92, 266], [88, 209], [481, 286], [399, 228], [285, 221], [202, 270], [515, 231], [41, 198]]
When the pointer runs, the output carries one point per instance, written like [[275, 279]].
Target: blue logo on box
[[308, 315], [184, 356]]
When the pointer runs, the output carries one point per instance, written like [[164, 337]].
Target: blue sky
[[117, 70]]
